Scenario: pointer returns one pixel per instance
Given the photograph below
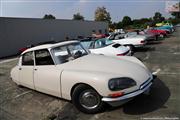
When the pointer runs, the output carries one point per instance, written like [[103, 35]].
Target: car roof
[[46, 46]]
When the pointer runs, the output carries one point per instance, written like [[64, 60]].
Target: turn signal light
[[120, 54], [114, 95]]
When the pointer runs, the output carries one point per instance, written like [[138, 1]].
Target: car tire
[[87, 100], [161, 36]]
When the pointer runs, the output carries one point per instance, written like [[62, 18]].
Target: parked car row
[[107, 47], [89, 72], [122, 43]]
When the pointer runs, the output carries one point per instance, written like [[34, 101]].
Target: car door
[[26, 70], [46, 75]]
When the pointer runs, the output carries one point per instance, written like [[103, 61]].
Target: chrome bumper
[[125, 98]]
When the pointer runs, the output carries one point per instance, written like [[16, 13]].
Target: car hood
[[125, 66]]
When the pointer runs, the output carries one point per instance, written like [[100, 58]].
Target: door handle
[[20, 68], [35, 69]]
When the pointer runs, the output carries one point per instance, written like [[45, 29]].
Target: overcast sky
[[64, 9]]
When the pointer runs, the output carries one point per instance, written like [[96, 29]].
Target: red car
[[161, 33]]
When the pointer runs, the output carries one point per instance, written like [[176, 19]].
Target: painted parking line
[[7, 60], [19, 95], [147, 57]]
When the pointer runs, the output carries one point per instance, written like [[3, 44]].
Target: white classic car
[[142, 34], [107, 47], [66, 70], [124, 39]]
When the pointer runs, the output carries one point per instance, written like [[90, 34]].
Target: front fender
[[97, 80]]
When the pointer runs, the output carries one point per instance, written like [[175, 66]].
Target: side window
[[98, 44], [43, 57], [91, 46], [27, 59]]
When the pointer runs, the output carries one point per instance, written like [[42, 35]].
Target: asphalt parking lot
[[161, 57]]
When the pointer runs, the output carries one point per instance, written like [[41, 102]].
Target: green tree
[[158, 17], [113, 25], [176, 15], [78, 16], [101, 14], [119, 25], [126, 21], [46, 16]]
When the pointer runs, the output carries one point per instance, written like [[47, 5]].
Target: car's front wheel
[[162, 35], [86, 99]]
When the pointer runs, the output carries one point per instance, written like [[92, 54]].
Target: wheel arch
[[77, 84]]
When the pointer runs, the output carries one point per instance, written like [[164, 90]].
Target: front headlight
[[121, 83]]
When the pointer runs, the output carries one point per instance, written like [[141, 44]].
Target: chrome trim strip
[[145, 83], [105, 99]]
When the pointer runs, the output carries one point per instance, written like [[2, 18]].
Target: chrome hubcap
[[161, 35], [89, 99]]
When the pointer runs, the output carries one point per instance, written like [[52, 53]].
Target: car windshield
[[66, 53], [103, 43], [86, 44]]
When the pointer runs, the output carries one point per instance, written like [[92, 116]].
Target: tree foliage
[[158, 17], [78, 16], [46, 16], [101, 14], [126, 21]]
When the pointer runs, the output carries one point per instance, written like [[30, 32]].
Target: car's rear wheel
[[86, 99]]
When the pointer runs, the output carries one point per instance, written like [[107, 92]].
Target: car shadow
[[147, 103], [68, 112], [170, 35], [145, 49], [144, 104], [154, 42]]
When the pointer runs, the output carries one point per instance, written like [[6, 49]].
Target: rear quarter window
[[27, 59]]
